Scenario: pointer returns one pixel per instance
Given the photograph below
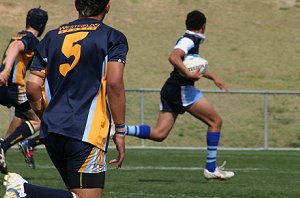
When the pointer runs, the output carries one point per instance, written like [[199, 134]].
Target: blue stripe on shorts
[[189, 95]]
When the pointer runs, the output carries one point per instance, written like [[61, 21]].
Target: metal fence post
[[142, 112], [266, 120]]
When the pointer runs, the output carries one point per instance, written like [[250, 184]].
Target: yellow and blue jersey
[[75, 58], [23, 59]]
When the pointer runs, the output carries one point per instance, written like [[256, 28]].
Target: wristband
[[120, 126], [120, 133]]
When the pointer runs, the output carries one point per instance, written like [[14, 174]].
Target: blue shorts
[[14, 96], [177, 98], [80, 164]]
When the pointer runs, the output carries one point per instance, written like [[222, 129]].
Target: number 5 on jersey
[[69, 49]]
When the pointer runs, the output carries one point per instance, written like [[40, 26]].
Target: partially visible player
[[81, 65], [179, 95], [17, 58], [26, 146]]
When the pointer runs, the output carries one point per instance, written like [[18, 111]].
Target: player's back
[[76, 55]]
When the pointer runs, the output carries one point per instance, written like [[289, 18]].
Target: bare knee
[[35, 124], [158, 135], [215, 124]]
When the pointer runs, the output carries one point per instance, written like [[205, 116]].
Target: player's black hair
[[195, 20], [90, 8], [37, 19]]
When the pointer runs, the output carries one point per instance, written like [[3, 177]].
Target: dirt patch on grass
[[285, 3], [10, 13]]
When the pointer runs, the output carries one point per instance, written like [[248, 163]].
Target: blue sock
[[212, 140], [22, 132], [33, 191], [141, 131]]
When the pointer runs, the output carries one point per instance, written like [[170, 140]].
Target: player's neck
[[99, 17], [33, 31]]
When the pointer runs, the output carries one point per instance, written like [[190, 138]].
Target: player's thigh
[[80, 164], [203, 110], [88, 193]]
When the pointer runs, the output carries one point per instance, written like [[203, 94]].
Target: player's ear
[[107, 8], [203, 28]]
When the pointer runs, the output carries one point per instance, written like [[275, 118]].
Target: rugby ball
[[192, 63]]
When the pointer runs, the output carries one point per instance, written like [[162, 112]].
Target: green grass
[[251, 45], [178, 173]]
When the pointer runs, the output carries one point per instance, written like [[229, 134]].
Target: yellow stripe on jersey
[[98, 121], [20, 67]]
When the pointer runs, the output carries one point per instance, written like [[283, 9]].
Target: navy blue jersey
[[189, 43], [74, 58], [23, 59]]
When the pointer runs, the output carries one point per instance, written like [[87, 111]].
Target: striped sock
[[22, 132], [212, 140], [141, 131]]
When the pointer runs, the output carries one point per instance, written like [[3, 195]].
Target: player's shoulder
[[23, 35], [113, 32]]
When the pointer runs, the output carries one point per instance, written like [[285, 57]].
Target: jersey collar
[[199, 35]]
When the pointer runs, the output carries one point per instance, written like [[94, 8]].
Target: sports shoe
[[219, 173], [27, 152], [14, 186], [3, 166]]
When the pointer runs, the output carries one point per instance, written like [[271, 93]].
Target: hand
[[194, 75], [3, 79], [220, 84], [119, 140]]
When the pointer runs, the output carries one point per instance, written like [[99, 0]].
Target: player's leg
[[84, 167], [16, 96], [15, 122], [204, 111], [25, 130], [54, 145], [17, 186], [166, 118], [158, 133]]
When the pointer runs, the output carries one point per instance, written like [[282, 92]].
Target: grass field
[[178, 174], [251, 45]]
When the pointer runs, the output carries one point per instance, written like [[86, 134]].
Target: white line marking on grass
[[170, 168], [184, 168]]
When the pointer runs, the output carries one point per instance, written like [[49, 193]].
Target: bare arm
[[218, 82], [116, 99], [175, 59], [11, 54], [34, 94]]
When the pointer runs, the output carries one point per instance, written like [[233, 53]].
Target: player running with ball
[[179, 95]]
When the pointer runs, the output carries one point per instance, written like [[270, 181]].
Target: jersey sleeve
[[184, 44], [29, 42], [117, 47], [40, 59]]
